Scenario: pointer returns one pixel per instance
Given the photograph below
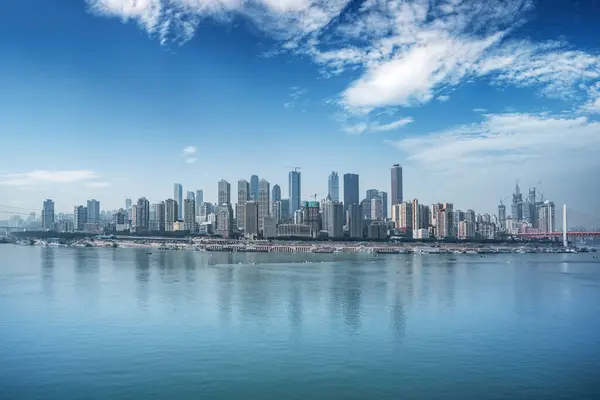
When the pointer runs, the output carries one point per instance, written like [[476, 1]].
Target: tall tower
[[333, 186], [294, 190], [224, 192], [240, 207], [502, 216], [351, 192], [48, 215], [565, 241], [264, 191], [254, 187], [396, 184], [516, 209], [93, 211], [178, 196]]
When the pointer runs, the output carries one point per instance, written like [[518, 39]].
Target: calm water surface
[[119, 323]]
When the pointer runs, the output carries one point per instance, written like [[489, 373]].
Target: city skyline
[[503, 91]]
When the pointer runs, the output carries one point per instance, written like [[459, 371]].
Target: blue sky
[[110, 99]]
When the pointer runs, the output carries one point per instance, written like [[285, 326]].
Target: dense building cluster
[[259, 211]]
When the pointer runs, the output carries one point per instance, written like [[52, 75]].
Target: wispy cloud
[[405, 52], [191, 160], [480, 110], [363, 127], [45, 176], [189, 150], [296, 97], [504, 138], [443, 98], [97, 185]]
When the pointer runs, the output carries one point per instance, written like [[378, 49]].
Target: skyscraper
[[516, 209], [79, 218], [171, 208], [294, 191], [416, 215], [355, 221], [48, 215], [142, 215], [275, 196], [333, 218], [240, 207], [178, 196], [547, 217], [502, 216], [251, 218], [397, 197], [372, 193], [224, 192], [384, 203], [264, 191], [93, 211], [189, 215], [333, 186], [311, 216], [351, 192], [199, 197], [159, 217], [225, 220], [376, 208], [254, 187], [190, 196]]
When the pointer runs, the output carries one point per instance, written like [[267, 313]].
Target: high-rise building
[[142, 215], [159, 216], [254, 187], [547, 217], [240, 207], [128, 204], [224, 192], [48, 215], [517, 205], [333, 186], [275, 196], [171, 208], [425, 212], [311, 216], [351, 190], [355, 221], [79, 218], [199, 197], [470, 216], [502, 216], [376, 208], [333, 218], [365, 206], [285, 210], [189, 195], [264, 192], [402, 214], [466, 230], [178, 196], [445, 221], [225, 220], [295, 194], [251, 218], [416, 215], [372, 193], [384, 203], [93, 211], [189, 215], [397, 197], [206, 209]]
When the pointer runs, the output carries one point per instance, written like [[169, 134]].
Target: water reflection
[[48, 255], [225, 278], [87, 274], [142, 277]]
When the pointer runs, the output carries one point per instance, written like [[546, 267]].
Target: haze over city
[[115, 99]]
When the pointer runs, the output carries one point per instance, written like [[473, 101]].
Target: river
[[86, 323]]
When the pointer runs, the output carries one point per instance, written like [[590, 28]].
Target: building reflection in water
[[225, 287], [352, 304], [142, 277], [294, 303], [47, 257], [87, 274], [450, 282]]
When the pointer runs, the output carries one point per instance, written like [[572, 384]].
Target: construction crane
[[503, 200], [314, 196], [296, 169]]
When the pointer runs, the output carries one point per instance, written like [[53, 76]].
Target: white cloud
[[443, 98], [505, 138], [363, 127], [405, 52], [191, 160], [480, 110], [189, 150], [44, 176], [97, 185]]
